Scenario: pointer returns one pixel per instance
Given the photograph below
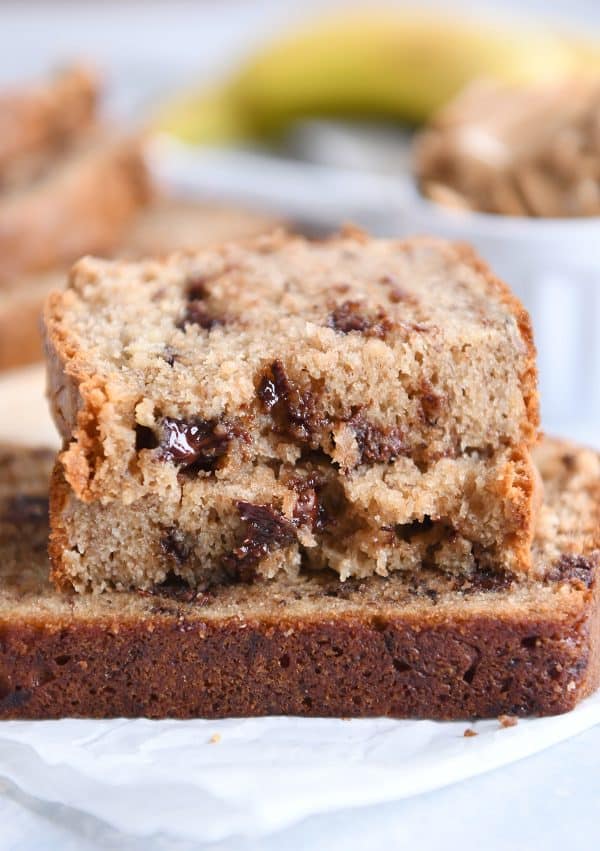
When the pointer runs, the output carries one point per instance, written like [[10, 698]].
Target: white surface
[[263, 776]]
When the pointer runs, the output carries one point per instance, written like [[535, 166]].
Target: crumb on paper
[[214, 739], [508, 720], [470, 732]]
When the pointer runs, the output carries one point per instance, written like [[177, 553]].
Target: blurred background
[[474, 120]]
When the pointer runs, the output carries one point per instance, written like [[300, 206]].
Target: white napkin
[[215, 780]]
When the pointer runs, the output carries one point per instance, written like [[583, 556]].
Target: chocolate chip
[[266, 530], [485, 579], [196, 287], [174, 545], [432, 403], [376, 444], [293, 410], [197, 313], [573, 568], [196, 445], [309, 510], [25, 508], [348, 317]]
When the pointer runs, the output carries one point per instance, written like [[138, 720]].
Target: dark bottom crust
[[341, 667]]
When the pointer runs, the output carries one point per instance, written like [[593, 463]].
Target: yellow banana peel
[[390, 65]]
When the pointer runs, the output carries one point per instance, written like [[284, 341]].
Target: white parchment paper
[[214, 780]]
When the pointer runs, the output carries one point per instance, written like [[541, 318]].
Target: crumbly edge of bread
[[195, 529]]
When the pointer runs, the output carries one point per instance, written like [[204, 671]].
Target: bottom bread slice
[[427, 645]]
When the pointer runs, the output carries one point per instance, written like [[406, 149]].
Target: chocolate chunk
[[309, 509], [432, 403], [485, 579], [376, 444], [349, 316], [196, 287], [197, 313], [173, 544], [266, 530], [573, 568], [196, 445], [24, 508], [293, 411]]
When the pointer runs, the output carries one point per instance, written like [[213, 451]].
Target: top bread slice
[[381, 362]]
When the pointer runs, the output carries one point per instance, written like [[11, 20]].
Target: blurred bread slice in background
[[71, 186], [82, 205], [41, 121]]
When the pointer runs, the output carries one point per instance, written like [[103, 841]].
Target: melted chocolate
[[348, 317], [266, 530], [293, 410], [195, 444], [376, 444]]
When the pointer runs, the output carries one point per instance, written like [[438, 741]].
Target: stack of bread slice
[[297, 477]]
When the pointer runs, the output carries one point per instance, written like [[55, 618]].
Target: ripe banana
[[397, 66]]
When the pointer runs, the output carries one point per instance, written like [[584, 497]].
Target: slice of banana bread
[[436, 645], [365, 405], [84, 204], [38, 122]]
